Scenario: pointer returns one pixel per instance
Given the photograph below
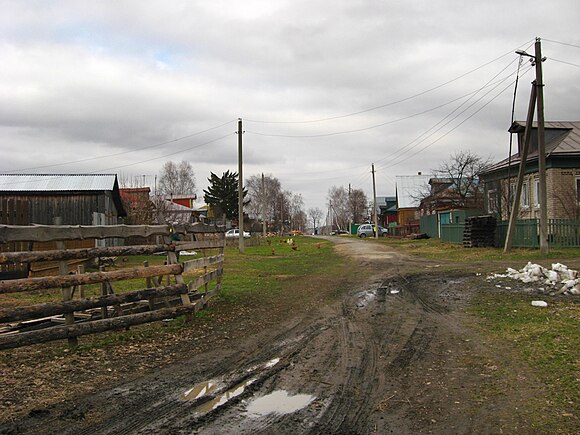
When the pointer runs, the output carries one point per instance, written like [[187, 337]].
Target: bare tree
[[339, 204], [462, 171], [176, 179], [296, 210], [358, 205], [263, 196], [315, 214]]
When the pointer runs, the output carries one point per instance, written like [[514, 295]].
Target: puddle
[[223, 398], [278, 402], [271, 363], [199, 390]]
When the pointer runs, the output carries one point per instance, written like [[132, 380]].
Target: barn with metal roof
[[79, 199]]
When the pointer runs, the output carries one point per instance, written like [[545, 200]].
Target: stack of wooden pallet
[[479, 232]]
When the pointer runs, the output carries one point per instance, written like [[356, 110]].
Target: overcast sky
[[324, 88]]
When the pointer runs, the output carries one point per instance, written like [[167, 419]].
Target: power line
[[567, 63], [561, 43], [424, 136], [393, 121], [122, 152], [330, 118], [454, 128]]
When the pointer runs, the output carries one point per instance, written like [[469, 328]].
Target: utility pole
[[522, 170], [240, 188], [375, 203], [350, 211], [263, 206], [330, 215], [544, 246], [536, 99]]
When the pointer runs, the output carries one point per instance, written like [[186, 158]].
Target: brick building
[[562, 174]]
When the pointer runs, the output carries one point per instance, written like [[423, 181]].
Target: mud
[[399, 353]]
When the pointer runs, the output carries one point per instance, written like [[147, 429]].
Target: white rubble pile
[[560, 278]]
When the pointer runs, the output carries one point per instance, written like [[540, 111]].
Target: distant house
[[79, 199], [387, 210], [562, 174], [138, 205], [410, 190]]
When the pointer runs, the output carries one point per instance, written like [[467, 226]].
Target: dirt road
[[397, 354]]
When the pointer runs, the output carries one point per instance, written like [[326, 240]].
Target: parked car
[[338, 232], [235, 233], [367, 230]]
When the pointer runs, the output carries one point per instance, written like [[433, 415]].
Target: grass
[[548, 339], [267, 270], [437, 249]]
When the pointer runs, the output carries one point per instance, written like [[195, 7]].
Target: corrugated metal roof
[[56, 182], [409, 188], [565, 144]]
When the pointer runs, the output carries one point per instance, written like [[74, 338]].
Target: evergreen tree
[[222, 194]]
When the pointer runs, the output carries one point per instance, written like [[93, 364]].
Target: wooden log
[[11, 341], [200, 263], [29, 284], [201, 244], [83, 253], [203, 279], [56, 308]]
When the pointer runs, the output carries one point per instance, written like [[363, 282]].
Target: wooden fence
[[13, 212], [167, 291]]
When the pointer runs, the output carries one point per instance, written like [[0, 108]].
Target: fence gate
[[116, 288]]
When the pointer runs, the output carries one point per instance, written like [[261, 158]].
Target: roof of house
[[409, 189], [562, 139], [57, 182]]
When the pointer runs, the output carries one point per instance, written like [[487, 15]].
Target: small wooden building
[[79, 199]]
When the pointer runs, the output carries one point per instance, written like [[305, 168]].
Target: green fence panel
[[452, 233], [429, 225], [561, 233]]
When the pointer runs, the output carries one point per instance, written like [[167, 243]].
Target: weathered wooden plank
[[56, 308], [11, 341], [88, 253], [45, 233], [197, 227], [201, 244], [29, 284], [203, 279], [200, 263]]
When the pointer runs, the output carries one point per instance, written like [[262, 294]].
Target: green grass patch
[[438, 249], [263, 271], [548, 339]]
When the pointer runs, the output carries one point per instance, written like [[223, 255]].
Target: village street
[[397, 354]]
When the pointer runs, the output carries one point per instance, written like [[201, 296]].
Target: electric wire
[[564, 62], [561, 43], [122, 152], [425, 135], [386, 104], [450, 131]]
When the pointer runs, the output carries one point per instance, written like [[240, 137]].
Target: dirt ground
[[398, 352]]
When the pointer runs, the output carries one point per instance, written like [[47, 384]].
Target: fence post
[[67, 292]]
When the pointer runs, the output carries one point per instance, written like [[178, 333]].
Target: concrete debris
[[560, 279], [539, 303]]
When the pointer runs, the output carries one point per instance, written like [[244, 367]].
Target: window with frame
[[536, 193], [492, 201], [525, 198], [578, 190]]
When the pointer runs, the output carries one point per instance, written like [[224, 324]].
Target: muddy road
[[399, 353]]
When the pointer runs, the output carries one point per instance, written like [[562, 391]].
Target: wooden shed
[[79, 199]]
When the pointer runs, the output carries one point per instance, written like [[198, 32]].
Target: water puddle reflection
[[224, 397], [199, 390], [278, 402]]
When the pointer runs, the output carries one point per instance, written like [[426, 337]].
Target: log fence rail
[[75, 314]]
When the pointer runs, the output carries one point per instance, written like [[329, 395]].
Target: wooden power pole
[[544, 245], [375, 218], [240, 188]]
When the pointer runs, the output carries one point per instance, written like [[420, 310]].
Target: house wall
[[561, 194], [75, 209], [408, 214]]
